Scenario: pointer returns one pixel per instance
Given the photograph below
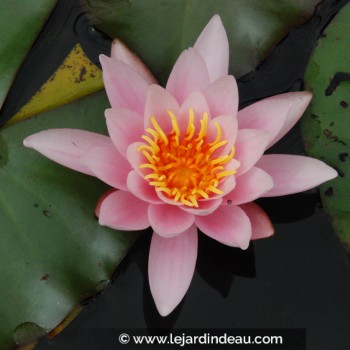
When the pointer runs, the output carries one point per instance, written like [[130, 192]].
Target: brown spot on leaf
[[343, 156], [45, 277]]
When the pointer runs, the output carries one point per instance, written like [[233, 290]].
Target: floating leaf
[[158, 30], [21, 21], [53, 251], [326, 125], [77, 76]]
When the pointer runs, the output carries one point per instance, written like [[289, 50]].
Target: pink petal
[[300, 101], [198, 103], [125, 87], [212, 44], [158, 102], [250, 186], [206, 207], [250, 146], [227, 185], [229, 127], [124, 127], [136, 158], [222, 96], [261, 224], [169, 220], [107, 164], [189, 74], [122, 53], [66, 146], [170, 268], [123, 211], [228, 224], [101, 199], [268, 115], [140, 188], [292, 174]]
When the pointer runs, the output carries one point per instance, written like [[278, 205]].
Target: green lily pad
[[20, 23], [159, 30], [326, 125], [53, 251]]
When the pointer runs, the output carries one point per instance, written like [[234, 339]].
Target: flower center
[[184, 167]]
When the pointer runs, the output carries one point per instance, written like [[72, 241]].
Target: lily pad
[[326, 125], [158, 30], [53, 251], [21, 21]]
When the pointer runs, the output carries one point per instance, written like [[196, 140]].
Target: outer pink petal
[[140, 188], [123, 211], [206, 207], [222, 96], [189, 74], [250, 146], [108, 165], [268, 115], [124, 127], [300, 102], [122, 53], [158, 102], [212, 44], [125, 87], [250, 186], [169, 220], [292, 174], [228, 224], [261, 224], [170, 268], [66, 146]]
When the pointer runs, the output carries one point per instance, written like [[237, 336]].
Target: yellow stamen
[[184, 167]]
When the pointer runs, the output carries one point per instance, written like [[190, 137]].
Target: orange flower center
[[184, 167]]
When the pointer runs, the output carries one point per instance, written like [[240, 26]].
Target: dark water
[[300, 278]]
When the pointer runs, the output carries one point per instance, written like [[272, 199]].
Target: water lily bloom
[[183, 158]]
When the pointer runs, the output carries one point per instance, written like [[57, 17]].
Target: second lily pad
[[326, 126], [158, 30]]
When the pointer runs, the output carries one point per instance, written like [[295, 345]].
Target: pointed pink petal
[[197, 102], [300, 101], [123, 211], [189, 74], [66, 146], [169, 220], [292, 174], [250, 146], [124, 127], [206, 207], [250, 186], [261, 224], [140, 188], [122, 53], [158, 102], [268, 115], [228, 224], [212, 44], [125, 87], [171, 266], [222, 96], [107, 164]]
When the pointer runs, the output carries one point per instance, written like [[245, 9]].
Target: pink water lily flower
[[183, 157]]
